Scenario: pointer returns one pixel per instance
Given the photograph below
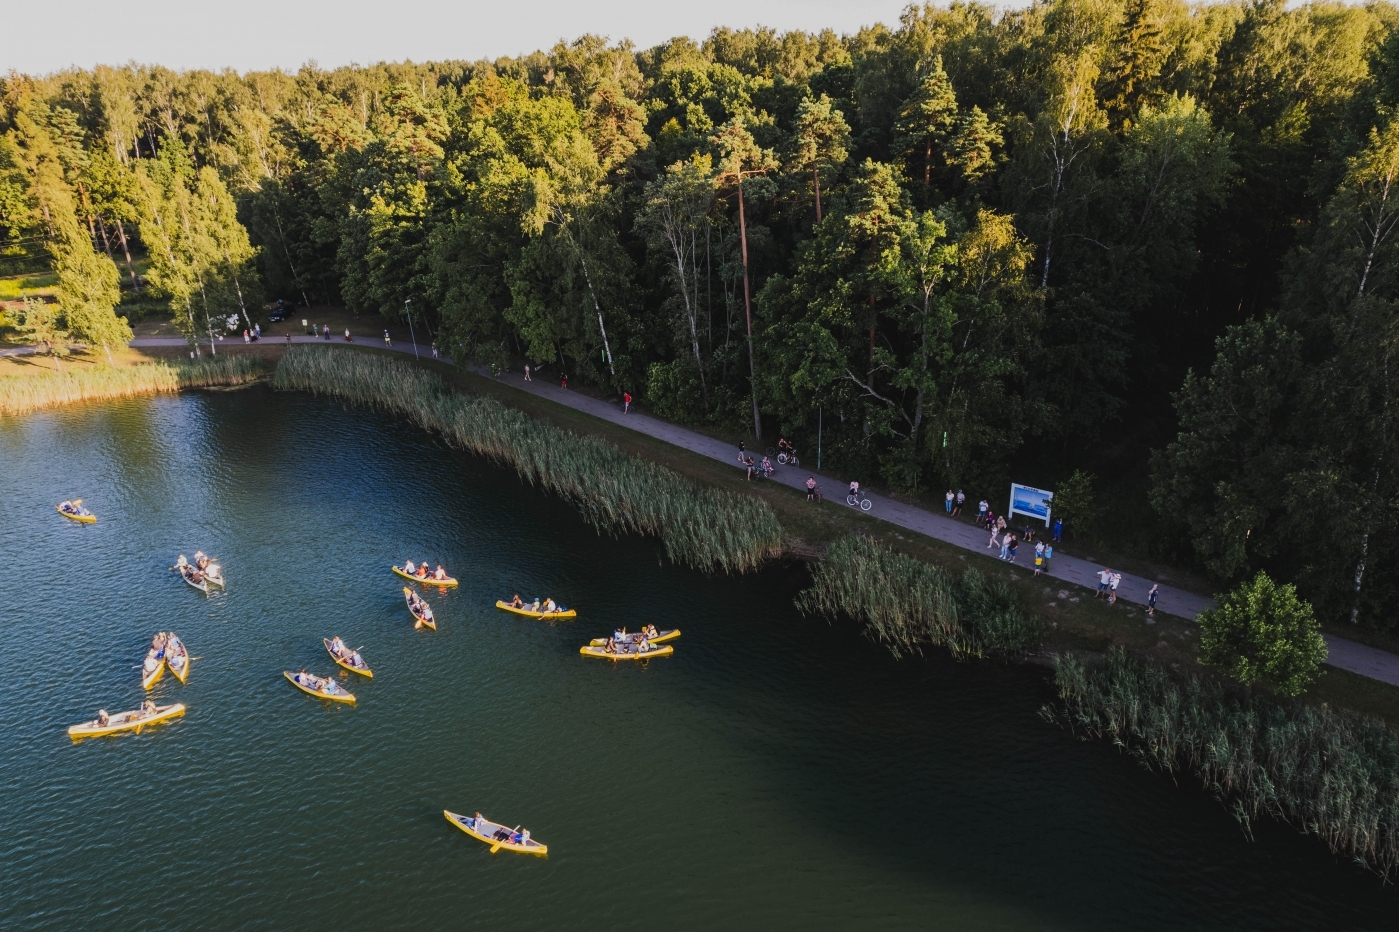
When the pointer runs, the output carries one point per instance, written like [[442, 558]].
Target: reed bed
[[907, 604], [23, 393], [616, 492], [1331, 774]]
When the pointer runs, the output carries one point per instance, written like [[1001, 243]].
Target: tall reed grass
[[1329, 773], [23, 393], [618, 493], [907, 604]]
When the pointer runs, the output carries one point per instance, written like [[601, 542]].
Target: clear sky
[[41, 37]]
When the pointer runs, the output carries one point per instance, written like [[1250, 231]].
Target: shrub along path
[[1344, 654]]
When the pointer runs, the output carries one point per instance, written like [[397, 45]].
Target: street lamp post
[[407, 310]]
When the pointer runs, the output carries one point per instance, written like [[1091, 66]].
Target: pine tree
[[1130, 78], [927, 120]]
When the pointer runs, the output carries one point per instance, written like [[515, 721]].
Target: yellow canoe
[[346, 661], [449, 581], [88, 518], [339, 695], [419, 620], [177, 658], [528, 613], [485, 832], [150, 676], [660, 638], [134, 720], [591, 651]]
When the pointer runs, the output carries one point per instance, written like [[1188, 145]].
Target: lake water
[[776, 772]]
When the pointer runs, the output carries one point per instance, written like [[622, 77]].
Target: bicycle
[[861, 500], [785, 456]]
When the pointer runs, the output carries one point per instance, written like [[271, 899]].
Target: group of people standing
[[1009, 542]]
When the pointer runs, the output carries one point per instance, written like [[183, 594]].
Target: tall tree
[[742, 161], [820, 144]]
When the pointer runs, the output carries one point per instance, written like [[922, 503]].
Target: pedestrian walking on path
[[1058, 530], [949, 496], [811, 488], [1112, 594], [626, 402], [981, 510], [563, 380], [1151, 598], [434, 348], [992, 542], [1048, 555], [387, 341], [1005, 545], [1104, 581], [961, 500], [527, 378]]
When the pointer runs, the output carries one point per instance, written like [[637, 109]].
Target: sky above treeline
[[262, 34]]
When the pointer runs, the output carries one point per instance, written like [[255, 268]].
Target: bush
[[1076, 504], [673, 391], [907, 604], [1262, 633]]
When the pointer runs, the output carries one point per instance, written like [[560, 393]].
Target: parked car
[[278, 312]]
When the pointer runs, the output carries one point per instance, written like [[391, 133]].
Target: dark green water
[[777, 772]]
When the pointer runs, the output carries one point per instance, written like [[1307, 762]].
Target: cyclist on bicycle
[[855, 489], [784, 447]]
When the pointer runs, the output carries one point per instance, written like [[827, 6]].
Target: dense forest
[[1147, 240]]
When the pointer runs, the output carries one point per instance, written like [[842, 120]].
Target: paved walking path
[[1344, 654]]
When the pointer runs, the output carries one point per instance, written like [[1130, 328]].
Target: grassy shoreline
[[1327, 773], [701, 527], [22, 394]]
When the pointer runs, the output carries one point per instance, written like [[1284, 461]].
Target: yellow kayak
[[530, 613], [420, 620], [85, 516], [484, 830], [177, 657], [153, 668], [320, 687], [449, 581], [126, 721], [349, 661], [660, 638], [626, 653]]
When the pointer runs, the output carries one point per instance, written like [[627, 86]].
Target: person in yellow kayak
[[409, 568], [517, 602], [439, 573], [422, 570], [337, 647], [102, 717], [549, 606], [651, 631]]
